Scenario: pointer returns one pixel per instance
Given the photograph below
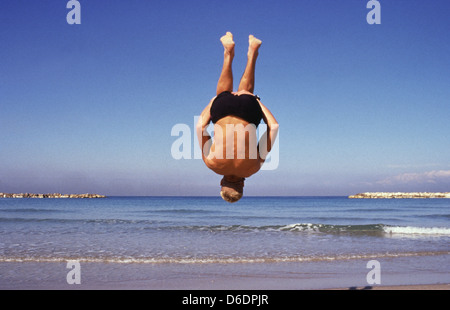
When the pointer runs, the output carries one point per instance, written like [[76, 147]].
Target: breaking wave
[[370, 229]]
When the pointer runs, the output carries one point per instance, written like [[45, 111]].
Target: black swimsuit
[[244, 106]]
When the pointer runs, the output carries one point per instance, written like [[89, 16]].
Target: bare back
[[234, 150]]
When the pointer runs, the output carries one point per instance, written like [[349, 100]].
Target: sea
[[206, 243]]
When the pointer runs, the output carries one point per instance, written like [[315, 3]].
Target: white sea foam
[[411, 230], [301, 227], [216, 260]]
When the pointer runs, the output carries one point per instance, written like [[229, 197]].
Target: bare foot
[[228, 43], [253, 44]]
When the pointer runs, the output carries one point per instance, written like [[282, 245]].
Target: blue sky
[[90, 107]]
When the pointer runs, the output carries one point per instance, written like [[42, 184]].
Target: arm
[[203, 136], [267, 140]]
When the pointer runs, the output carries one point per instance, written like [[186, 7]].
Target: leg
[[226, 77], [248, 78]]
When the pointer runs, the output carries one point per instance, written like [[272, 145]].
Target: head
[[232, 188]]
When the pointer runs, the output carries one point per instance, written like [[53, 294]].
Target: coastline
[[54, 195]]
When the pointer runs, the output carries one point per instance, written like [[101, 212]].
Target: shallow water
[[205, 230]]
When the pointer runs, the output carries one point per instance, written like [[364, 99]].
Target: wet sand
[[191, 277], [421, 287]]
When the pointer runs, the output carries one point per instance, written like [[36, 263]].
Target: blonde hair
[[230, 196]]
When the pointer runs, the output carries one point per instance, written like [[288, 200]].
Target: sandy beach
[[246, 277], [421, 287]]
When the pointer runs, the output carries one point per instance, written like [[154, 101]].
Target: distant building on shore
[[386, 195], [55, 195]]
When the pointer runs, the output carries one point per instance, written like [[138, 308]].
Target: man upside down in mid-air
[[236, 115]]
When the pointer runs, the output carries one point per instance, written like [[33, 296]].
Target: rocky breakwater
[[55, 195], [384, 195]]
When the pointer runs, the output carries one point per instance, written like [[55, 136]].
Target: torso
[[238, 161]]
